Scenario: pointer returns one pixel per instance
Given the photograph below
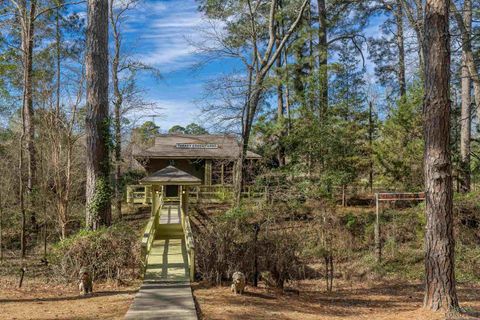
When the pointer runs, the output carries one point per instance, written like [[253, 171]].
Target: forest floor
[[38, 300], [308, 300], [371, 300]]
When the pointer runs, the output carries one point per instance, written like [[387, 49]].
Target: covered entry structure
[[170, 185]]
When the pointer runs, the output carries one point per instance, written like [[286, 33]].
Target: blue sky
[[160, 32]]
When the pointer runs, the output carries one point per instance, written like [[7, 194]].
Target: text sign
[[196, 146]]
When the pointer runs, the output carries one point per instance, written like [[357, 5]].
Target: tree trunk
[[370, 145], [287, 91], [62, 182], [58, 38], [400, 39], [322, 56], [327, 272], [21, 191], [465, 120], [332, 271], [117, 122], [68, 178], [28, 34], [440, 290], [418, 26], [253, 101], [467, 56], [298, 82], [280, 106], [98, 193], [1, 227], [256, 86]]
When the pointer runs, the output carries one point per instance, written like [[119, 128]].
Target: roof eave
[[137, 157], [171, 182]]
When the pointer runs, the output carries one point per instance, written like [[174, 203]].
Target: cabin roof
[[184, 146], [171, 175]]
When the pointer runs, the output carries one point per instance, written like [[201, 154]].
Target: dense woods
[[337, 111]]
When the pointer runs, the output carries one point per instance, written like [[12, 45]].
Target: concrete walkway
[[166, 291]]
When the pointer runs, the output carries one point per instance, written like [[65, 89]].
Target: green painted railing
[[139, 194], [150, 232], [189, 242], [224, 193]]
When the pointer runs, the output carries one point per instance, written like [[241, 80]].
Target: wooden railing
[[189, 242], [139, 194], [224, 193], [149, 234]]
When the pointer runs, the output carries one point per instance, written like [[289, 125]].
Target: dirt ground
[[372, 301], [41, 301]]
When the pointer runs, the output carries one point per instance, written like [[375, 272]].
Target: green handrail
[[149, 233], [189, 242]]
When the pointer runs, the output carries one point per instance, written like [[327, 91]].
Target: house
[[209, 160]]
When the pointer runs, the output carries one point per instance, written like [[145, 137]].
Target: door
[[171, 191]]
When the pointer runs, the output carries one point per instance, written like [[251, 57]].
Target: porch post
[[222, 178], [154, 200], [185, 199], [129, 194], [180, 195], [208, 172], [147, 198]]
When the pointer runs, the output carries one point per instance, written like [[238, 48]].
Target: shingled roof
[[184, 146], [171, 175]]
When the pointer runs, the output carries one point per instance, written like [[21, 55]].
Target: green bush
[[108, 253]]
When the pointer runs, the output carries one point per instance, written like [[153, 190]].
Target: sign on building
[[196, 146]]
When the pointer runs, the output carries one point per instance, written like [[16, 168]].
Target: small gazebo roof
[[171, 175]]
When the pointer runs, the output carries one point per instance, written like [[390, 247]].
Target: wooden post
[[256, 229], [22, 274], [185, 200], [192, 265], [378, 244], [129, 194], [222, 175], [180, 195], [154, 201], [147, 198], [45, 240], [208, 172]]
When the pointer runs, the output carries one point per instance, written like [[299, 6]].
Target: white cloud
[[162, 30]]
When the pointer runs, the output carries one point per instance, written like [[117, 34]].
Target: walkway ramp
[[166, 291]]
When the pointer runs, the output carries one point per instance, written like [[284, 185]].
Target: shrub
[[107, 253], [227, 244], [223, 246], [280, 257]]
